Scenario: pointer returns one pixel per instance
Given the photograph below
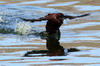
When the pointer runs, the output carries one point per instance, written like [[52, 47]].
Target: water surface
[[81, 33]]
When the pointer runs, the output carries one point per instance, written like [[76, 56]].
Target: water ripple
[[82, 25], [64, 4], [87, 7], [36, 2]]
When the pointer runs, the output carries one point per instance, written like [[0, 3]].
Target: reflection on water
[[76, 57], [81, 33], [53, 48]]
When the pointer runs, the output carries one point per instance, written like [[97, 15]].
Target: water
[[81, 33]]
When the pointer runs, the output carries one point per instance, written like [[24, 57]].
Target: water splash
[[23, 28], [1, 19]]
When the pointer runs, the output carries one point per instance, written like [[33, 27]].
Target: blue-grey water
[[81, 33]]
